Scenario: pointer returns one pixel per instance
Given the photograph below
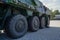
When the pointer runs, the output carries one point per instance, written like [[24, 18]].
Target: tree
[[53, 13], [56, 12]]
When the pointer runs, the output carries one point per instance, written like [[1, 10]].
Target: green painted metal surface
[[34, 5], [29, 4]]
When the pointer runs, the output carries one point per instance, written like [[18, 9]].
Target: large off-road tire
[[33, 23], [47, 22], [16, 26], [44, 21]]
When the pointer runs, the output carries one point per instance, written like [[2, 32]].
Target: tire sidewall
[[31, 26], [11, 26], [47, 21]]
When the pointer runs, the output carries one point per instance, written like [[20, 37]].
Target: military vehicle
[[19, 16]]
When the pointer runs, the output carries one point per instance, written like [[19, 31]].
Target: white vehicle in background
[[57, 17]]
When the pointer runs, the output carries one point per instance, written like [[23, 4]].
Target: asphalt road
[[52, 33]]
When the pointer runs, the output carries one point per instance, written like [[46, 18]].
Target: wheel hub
[[19, 26], [35, 23], [43, 22]]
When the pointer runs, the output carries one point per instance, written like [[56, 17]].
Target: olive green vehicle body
[[27, 8]]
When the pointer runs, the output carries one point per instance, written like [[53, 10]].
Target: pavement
[[52, 33]]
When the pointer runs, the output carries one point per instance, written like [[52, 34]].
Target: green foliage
[[55, 12], [52, 14], [33, 2]]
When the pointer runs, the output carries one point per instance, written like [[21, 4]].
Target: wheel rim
[[35, 24], [20, 26], [43, 22]]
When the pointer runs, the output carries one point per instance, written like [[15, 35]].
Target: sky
[[52, 4]]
